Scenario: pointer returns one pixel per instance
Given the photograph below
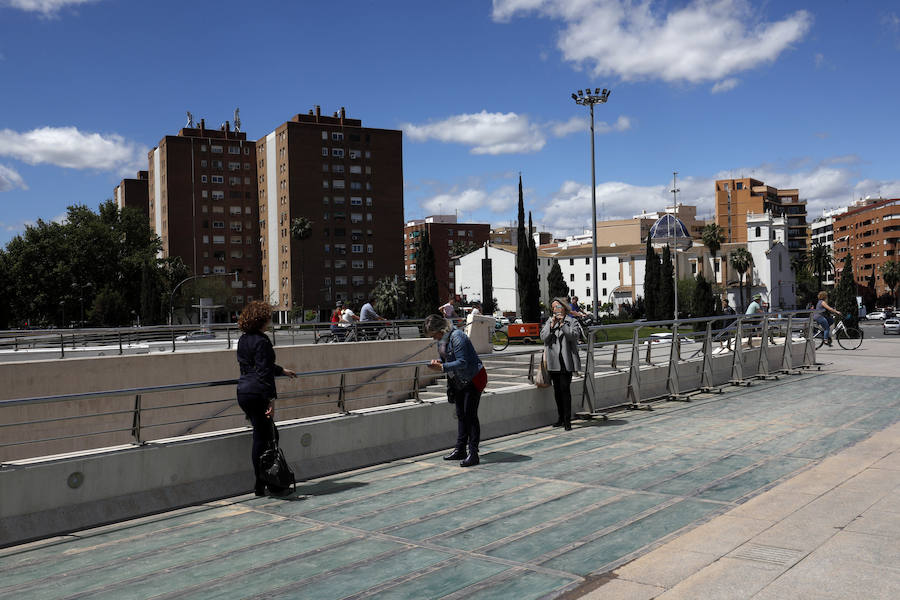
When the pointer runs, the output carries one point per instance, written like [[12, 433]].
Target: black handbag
[[274, 468]]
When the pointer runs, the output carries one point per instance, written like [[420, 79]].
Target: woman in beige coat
[[561, 335]]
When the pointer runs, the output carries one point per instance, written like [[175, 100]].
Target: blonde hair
[[823, 295]]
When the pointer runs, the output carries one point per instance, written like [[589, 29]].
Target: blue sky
[[798, 94]]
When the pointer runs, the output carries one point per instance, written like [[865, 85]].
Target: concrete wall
[[301, 397], [40, 497]]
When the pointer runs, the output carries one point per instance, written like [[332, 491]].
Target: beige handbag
[[542, 377]]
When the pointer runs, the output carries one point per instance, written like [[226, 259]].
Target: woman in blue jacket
[[461, 364], [256, 387]]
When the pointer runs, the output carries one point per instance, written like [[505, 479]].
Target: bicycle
[[499, 338], [848, 338]]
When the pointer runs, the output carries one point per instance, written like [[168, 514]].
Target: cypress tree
[[665, 307], [651, 281], [703, 301], [426, 289], [522, 256], [845, 294], [556, 283], [532, 305]]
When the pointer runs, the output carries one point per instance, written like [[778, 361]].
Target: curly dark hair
[[254, 316]]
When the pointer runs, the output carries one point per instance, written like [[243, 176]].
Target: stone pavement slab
[[747, 492]]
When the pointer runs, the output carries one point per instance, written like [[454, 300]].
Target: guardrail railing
[[128, 418]]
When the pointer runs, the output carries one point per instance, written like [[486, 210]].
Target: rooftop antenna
[[190, 117], [237, 119]]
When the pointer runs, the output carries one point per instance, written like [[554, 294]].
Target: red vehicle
[[527, 333]]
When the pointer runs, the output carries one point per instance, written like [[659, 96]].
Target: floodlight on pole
[[590, 100]]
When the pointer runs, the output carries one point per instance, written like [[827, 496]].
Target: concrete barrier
[[53, 495]]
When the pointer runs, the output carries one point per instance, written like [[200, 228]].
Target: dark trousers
[[264, 430], [467, 426], [561, 381]]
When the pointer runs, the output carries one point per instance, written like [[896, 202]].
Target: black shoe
[[558, 424], [470, 461], [260, 490], [457, 454], [568, 427], [280, 492]]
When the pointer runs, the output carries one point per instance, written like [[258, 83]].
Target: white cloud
[[472, 199], [10, 179], [503, 133], [486, 133], [68, 147], [47, 8], [705, 40], [725, 85]]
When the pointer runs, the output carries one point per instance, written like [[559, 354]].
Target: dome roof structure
[[670, 230]]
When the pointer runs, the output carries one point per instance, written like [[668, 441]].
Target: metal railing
[[131, 419]]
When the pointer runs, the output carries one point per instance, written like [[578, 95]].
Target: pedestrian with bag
[[466, 379], [561, 335], [256, 387]]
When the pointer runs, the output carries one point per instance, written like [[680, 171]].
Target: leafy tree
[[426, 290], [390, 297], [109, 309], [463, 247], [686, 289], [301, 229], [820, 261], [713, 236], [890, 273], [703, 303], [807, 288], [556, 283], [845, 294], [741, 262], [151, 312], [651, 281], [665, 306]]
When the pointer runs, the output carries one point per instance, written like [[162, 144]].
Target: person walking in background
[[561, 334], [461, 364], [448, 310], [256, 387]]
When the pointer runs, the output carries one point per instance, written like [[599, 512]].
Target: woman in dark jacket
[[561, 335], [256, 387]]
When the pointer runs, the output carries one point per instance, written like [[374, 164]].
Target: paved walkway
[[548, 514]]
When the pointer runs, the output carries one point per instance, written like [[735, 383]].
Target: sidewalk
[[832, 532]]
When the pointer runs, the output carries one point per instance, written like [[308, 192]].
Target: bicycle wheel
[[499, 340], [849, 338], [818, 335]]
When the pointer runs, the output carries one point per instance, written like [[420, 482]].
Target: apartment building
[[203, 204], [869, 232], [449, 239], [347, 180], [735, 198], [134, 193]]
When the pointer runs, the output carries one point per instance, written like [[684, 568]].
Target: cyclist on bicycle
[[367, 315], [820, 315]]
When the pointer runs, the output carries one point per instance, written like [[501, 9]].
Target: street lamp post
[[178, 285], [586, 98], [675, 191]]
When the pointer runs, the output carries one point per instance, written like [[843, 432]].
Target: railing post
[[136, 421], [633, 393], [273, 335], [649, 346], [173, 339], [672, 374], [587, 389], [737, 360], [228, 335], [341, 406], [120, 343], [787, 357], [615, 356], [809, 350], [762, 365], [416, 386], [62, 346], [531, 368], [707, 382]]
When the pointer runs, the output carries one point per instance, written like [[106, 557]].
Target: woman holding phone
[[561, 334]]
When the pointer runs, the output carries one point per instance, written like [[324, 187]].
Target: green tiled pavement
[[545, 509]]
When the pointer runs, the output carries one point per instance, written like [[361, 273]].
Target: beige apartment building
[[869, 232], [348, 181], [735, 198]]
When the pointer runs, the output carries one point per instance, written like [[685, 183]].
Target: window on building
[[202, 147], [338, 184], [355, 201], [603, 260], [356, 248], [218, 179], [603, 292], [738, 185], [337, 152], [368, 201], [603, 276], [571, 276], [337, 136], [357, 264], [234, 149], [324, 151], [218, 239], [218, 224], [216, 149], [370, 248], [203, 179], [758, 231]]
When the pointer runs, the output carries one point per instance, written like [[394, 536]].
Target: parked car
[[194, 336], [876, 315], [891, 326]]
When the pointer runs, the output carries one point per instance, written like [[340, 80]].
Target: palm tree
[[890, 271], [713, 236], [301, 229], [741, 262], [821, 262], [390, 296]]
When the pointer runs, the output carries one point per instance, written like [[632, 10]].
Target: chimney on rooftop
[[343, 115], [318, 112], [202, 125]]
